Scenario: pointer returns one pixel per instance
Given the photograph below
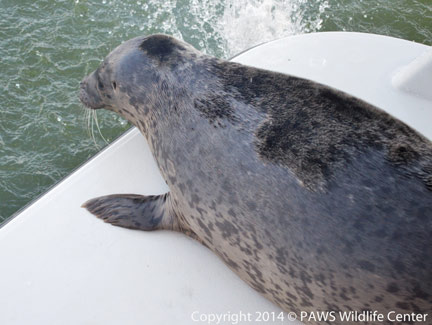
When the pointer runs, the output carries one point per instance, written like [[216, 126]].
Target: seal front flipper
[[135, 211]]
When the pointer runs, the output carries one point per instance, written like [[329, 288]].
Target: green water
[[46, 47]]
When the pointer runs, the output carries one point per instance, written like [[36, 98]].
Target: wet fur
[[313, 129], [315, 198]]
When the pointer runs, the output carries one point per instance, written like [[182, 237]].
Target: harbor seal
[[318, 200]]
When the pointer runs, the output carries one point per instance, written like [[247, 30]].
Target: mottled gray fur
[[315, 198]]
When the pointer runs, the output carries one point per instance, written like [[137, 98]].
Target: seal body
[[318, 200]]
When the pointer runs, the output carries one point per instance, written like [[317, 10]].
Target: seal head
[[98, 90], [142, 60]]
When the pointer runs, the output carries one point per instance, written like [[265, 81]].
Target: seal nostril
[[114, 84]]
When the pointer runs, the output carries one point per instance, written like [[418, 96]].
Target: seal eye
[[114, 84], [100, 85]]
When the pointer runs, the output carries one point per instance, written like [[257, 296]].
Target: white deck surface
[[61, 265]]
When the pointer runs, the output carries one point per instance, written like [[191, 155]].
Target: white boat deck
[[61, 265]]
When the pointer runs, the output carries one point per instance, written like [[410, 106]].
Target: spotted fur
[[316, 199]]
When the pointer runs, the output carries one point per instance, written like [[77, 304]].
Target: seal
[[318, 200]]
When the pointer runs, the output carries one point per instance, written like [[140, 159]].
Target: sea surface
[[47, 47]]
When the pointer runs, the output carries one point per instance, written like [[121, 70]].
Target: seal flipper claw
[[134, 211]]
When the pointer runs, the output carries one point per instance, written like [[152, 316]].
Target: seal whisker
[[97, 126], [87, 119], [91, 119]]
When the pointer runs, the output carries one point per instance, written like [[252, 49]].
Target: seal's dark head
[[137, 71]]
